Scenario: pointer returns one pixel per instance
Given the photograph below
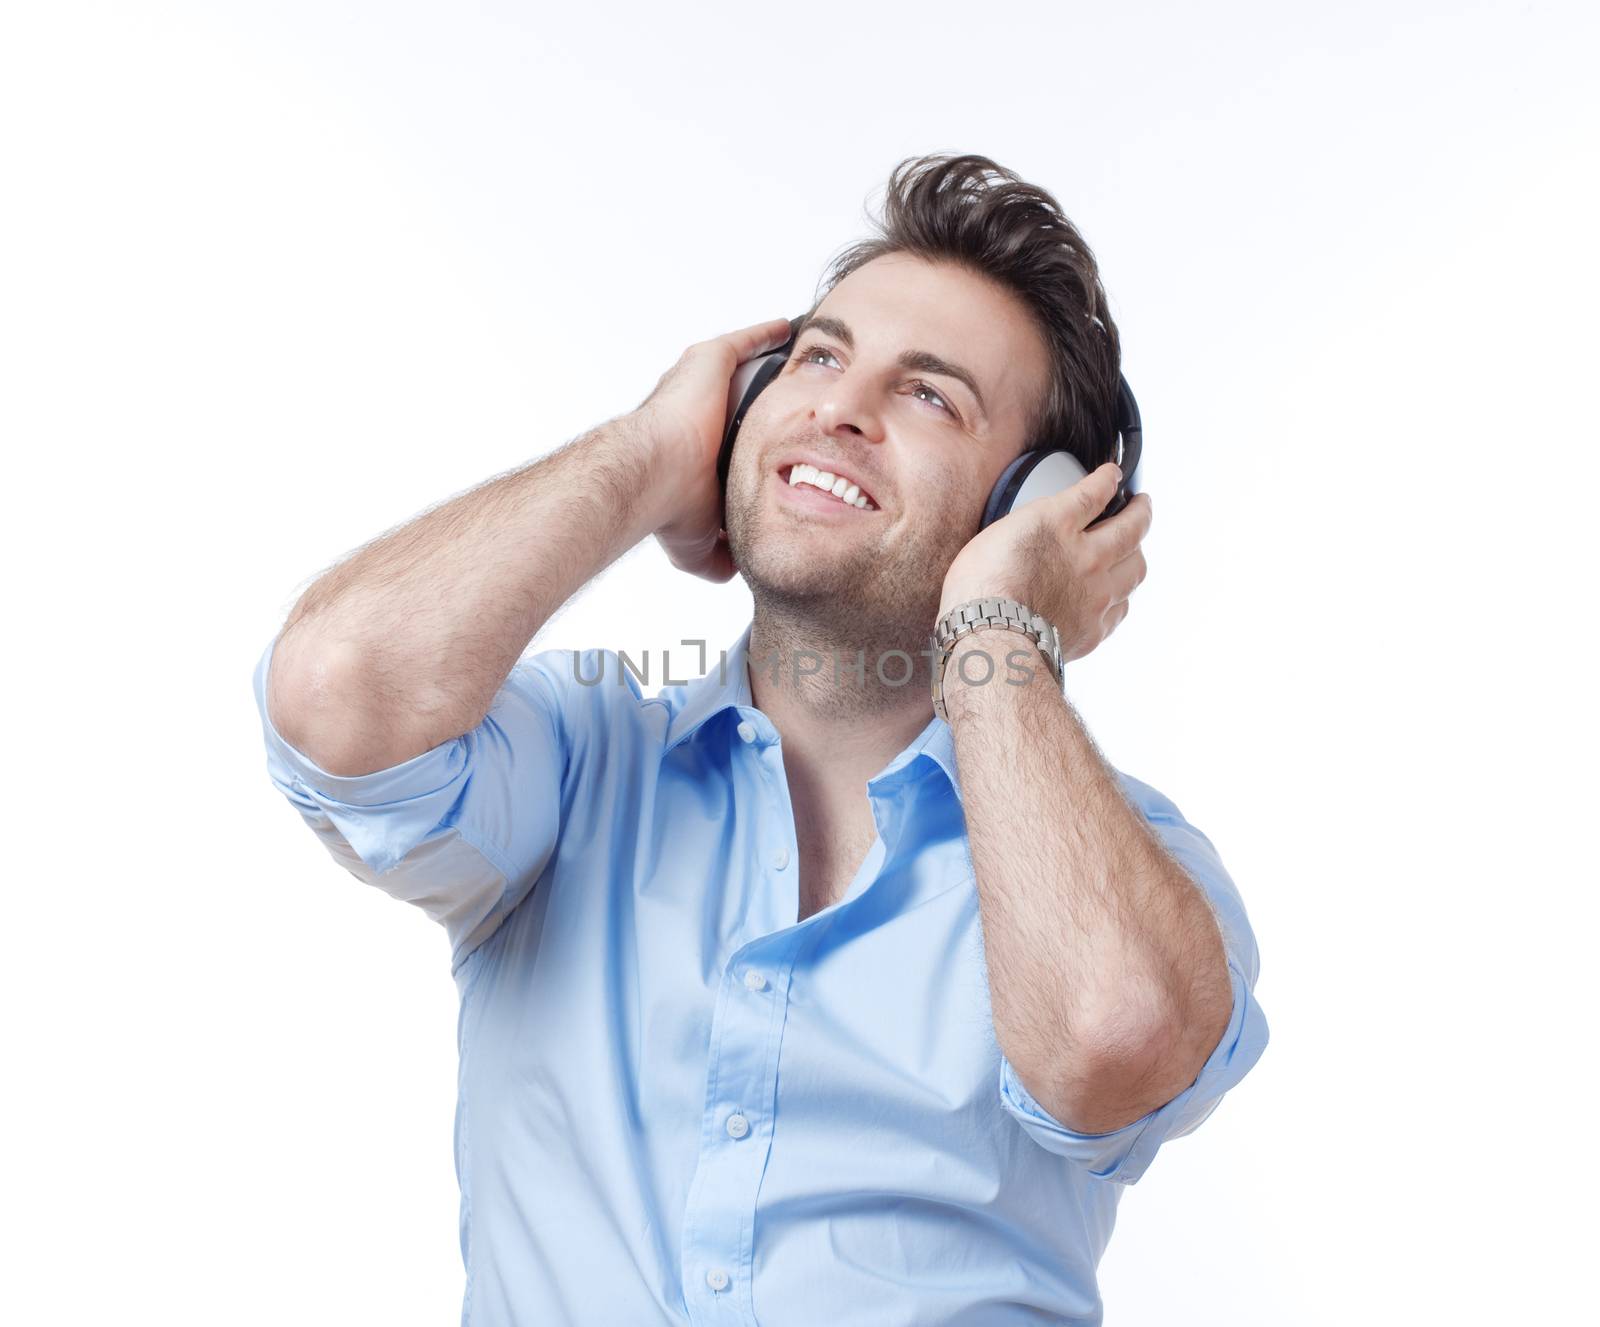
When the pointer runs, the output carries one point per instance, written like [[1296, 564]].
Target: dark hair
[[946, 208]]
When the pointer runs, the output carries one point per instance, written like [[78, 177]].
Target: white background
[[276, 277]]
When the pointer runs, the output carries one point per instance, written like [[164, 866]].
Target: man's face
[[926, 446]]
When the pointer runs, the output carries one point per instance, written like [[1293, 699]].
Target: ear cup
[[1046, 470], [749, 380], [1034, 474]]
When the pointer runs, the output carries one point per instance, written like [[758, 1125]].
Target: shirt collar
[[726, 685], [937, 742]]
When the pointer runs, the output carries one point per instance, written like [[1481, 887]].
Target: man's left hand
[[1044, 555]]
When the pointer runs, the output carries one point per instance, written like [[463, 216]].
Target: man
[[784, 999]]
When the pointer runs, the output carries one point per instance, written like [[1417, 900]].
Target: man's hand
[[1043, 555], [682, 422]]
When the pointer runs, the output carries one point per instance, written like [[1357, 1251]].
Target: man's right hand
[[683, 421]]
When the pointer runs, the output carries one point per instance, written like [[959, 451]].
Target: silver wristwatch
[[964, 619]]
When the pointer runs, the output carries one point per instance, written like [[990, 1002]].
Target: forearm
[[1107, 974], [404, 644]]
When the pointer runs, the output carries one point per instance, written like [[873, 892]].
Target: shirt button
[[717, 1279], [738, 1126], [780, 859], [747, 730], [754, 981]]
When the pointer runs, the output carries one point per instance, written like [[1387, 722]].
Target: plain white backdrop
[[275, 277]]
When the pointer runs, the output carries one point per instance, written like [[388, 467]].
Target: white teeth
[[838, 485]]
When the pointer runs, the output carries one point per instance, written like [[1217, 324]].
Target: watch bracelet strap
[[990, 611]]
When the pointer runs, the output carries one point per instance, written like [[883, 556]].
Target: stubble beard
[[863, 596]]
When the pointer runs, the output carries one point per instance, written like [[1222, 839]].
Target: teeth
[[837, 485]]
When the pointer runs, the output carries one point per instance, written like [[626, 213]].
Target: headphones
[[1037, 473]]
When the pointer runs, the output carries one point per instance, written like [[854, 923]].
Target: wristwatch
[[964, 619]]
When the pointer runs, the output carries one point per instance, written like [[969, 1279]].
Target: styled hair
[[968, 211]]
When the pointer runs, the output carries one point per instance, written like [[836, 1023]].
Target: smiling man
[[784, 997], [924, 435]]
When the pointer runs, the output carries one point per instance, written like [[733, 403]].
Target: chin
[[817, 583]]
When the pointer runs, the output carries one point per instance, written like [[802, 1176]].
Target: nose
[[845, 406]]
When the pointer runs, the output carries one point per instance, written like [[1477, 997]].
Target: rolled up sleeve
[[461, 831], [1123, 1155]]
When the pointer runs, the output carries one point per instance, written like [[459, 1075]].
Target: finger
[[1090, 496], [1126, 576], [1120, 535], [751, 341]]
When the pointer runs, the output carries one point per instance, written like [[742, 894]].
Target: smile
[[839, 490]]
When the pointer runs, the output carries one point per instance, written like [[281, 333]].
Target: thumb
[[1095, 491], [749, 342]]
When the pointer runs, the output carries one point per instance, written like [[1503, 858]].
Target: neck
[[836, 719]]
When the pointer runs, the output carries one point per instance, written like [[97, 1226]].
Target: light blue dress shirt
[[676, 1104]]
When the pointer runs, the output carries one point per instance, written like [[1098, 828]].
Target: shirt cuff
[[383, 815], [1123, 1155]]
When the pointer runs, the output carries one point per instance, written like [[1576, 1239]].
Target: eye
[[943, 405], [805, 357]]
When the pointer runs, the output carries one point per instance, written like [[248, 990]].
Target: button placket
[[721, 1205]]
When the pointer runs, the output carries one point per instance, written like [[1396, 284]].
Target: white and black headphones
[[1037, 473]]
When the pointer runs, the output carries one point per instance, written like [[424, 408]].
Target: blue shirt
[[676, 1104]]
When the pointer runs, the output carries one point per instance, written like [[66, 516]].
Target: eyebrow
[[920, 361]]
